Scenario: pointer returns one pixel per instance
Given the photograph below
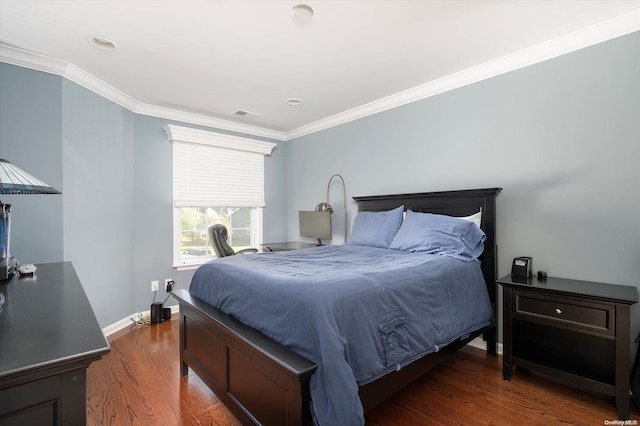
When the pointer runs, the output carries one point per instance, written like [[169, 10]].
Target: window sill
[[188, 267]]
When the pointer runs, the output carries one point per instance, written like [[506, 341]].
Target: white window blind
[[211, 169]]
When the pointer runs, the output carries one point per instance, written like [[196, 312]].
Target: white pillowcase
[[475, 218]]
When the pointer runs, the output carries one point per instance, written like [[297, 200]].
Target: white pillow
[[475, 218]]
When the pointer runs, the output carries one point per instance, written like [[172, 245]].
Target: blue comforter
[[358, 312]]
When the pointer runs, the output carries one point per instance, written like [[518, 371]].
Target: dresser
[[572, 331], [49, 335]]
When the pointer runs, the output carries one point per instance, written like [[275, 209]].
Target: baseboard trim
[[125, 322], [479, 343]]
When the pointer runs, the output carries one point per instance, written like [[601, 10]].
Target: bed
[[353, 350]]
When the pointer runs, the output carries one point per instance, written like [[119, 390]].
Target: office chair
[[219, 236]]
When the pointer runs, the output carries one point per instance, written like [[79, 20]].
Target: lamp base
[[8, 267]]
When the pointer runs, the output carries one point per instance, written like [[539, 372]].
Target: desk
[[287, 246], [48, 337]]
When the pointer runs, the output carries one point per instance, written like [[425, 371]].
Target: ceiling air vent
[[246, 114]]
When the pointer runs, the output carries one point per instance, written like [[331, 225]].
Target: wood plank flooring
[[139, 383]]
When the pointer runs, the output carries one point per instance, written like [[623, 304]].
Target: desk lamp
[[13, 180]]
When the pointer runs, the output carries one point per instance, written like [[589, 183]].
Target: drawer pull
[[558, 311]]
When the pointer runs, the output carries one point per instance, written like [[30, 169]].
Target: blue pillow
[[439, 234], [376, 229]]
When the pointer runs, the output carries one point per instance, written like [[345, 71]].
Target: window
[[195, 222], [216, 179]]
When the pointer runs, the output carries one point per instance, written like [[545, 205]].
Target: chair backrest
[[218, 234]]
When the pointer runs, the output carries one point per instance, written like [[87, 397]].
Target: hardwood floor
[[139, 383]]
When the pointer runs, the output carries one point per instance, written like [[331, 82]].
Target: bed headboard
[[452, 203]]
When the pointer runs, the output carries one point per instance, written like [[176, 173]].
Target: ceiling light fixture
[[301, 13], [294, 101], [102, 43]]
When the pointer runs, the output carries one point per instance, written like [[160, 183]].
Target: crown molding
[[39, 62], [606, 30], [89, 82], [589, 36], [203, 120], [36, 61]]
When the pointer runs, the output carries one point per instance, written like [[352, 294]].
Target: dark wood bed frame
[[265, 383]]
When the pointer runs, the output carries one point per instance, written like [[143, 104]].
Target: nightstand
[[570, 331]]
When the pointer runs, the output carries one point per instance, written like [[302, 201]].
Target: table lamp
[[13, 180]]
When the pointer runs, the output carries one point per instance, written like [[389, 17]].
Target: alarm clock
[[521, 267]]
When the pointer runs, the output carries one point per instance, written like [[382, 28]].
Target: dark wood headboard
[[452, 203]]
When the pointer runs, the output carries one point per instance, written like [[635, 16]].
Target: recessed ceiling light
[[294, 101], [301, 13], [102, 43]]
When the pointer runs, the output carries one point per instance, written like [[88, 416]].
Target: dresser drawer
[[576, 314]]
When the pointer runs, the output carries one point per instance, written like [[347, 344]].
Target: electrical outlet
[[166, 283], [154, 285]]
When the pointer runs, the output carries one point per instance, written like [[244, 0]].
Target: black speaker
[[166, 314], [156, 313]]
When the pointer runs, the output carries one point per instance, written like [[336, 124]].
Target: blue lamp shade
[[13, 180]]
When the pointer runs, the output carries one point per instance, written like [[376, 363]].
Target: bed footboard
[[259, 380]]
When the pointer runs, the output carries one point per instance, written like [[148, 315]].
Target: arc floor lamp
[[326, 207]]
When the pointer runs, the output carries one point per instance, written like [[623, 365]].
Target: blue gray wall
[[30, 137], [562, 138], [97, 144]]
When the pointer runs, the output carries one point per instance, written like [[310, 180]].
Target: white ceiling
[[354, 57]]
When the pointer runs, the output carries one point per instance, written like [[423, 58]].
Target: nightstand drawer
[[575, 314]]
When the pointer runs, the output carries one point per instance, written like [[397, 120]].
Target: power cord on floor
[[139, 318]]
